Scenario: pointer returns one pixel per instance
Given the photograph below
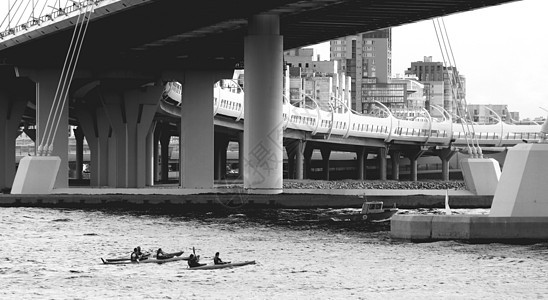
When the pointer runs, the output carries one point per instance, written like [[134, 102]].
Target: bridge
[[133, 49]]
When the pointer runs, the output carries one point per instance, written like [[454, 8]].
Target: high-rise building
[[441, 87], [318, 80], [367, 59]]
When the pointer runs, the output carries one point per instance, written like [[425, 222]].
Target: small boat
[[222, 266], [372, 211], [149, 260]]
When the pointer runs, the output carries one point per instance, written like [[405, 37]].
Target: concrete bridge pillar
[[395, 158], [289, 149], [307, 155], [197, 129], [361, 159], [11, 111], [96, 127], [381, 163], [326, 152], [131, 113], [295, 159], [263, 130], [413, 156], [156, 152], [445, 155], [79, 137], [196, 139], [241, 155], [299, 160], [221, 146], [164, 136], [150, 157], [46, 86]]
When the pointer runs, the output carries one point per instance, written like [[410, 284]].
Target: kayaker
[[160, 254], [217, 260], [193, 261], [136, 255]]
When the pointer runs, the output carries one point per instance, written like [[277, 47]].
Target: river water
[[55, 254]]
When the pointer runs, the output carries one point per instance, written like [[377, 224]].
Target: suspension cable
[[443, 57], [459, 84], [64, 97], [55, 106], [456, 83], [63, 88]]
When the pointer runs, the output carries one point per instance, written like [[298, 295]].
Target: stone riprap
[[375, 184]]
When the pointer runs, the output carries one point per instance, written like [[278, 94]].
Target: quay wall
[[227, 200]]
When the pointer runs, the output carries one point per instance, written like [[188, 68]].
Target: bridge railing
[[307, 115], [50, 16]]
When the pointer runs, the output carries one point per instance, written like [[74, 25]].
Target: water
[[55, 254]]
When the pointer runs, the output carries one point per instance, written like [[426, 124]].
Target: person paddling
[[193, 261], [160, 254], [136, 255], [217, 260]]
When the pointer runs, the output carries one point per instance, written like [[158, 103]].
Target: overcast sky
[[502, 51]]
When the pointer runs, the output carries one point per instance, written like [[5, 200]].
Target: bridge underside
[[151, 35]]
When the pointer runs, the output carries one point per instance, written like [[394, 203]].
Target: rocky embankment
[[376, 184]]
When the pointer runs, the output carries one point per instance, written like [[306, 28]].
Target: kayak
[[169, 255], [145, 256], [222, 266], [150, 260]]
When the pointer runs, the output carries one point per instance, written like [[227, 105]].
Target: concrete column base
[[473, 228], [523, 189], [481, 175], [36, 175]]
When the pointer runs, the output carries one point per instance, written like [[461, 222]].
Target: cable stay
[[450, 68], [45, 147]]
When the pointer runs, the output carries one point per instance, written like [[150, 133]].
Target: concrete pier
[[472, 228]]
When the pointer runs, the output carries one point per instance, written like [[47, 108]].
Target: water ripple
[[297, 257]]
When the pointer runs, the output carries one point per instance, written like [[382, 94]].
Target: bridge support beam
[[197, 153], [221, 146], [299, 160], [46, 85], [164, 137], [395, 158], [40, 174], [445, 155], [307, 154], [95, 126], [241, 155], [11, 111], [295, 159], [131, 114], [290, 150], [361, 159], [413, 156], [326, 152], [381, 163], [79, 138], [263, 130], [150, 155]]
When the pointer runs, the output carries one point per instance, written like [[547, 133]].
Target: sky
[[501, 50]]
